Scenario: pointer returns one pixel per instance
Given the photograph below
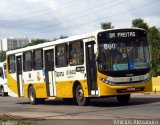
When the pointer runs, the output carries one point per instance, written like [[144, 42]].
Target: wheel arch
[[75, 84], [28, 89]]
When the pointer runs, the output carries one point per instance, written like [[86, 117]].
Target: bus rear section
[[123, 63], [3, 80]]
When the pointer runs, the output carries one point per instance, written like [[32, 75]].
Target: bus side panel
[[25, 86], [40, 89], [12, 83], [65, 88]]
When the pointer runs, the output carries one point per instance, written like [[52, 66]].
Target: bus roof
[[59, 41]]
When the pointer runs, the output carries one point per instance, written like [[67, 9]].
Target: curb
[[16, 117]]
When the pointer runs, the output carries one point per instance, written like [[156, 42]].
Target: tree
[[140, 24], [63, 37], [154, 41], [106, 25], [60, 37], [2, 56], [37, 41]]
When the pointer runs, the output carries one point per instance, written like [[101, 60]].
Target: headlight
[[107, 81]]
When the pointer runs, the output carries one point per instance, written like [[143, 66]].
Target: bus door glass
[[49, 72], [91, 68], [19, 75]]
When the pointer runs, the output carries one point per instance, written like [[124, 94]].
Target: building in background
[[13, 43]]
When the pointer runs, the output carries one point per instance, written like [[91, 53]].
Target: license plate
[[131, 89]]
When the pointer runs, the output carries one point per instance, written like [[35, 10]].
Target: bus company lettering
[[59, 74], [122, 34]]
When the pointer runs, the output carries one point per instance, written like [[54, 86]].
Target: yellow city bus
[[114, 63]]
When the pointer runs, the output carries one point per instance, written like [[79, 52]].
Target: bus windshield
[[123, 54]]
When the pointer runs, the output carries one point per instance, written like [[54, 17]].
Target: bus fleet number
[[109, 46]]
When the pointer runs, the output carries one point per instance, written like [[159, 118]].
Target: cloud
[[153, 21], [51, 18]]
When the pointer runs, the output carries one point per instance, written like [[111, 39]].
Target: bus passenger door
[[19, 75], [49, 72], [91, 69]]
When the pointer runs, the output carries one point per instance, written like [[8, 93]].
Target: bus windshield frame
[[123, 52]]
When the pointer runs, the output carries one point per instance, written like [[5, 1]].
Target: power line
[[95, 20], [75, 13], [67, 4], [85, 15], [132, 9]]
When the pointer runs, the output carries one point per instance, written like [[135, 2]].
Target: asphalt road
[[100, 111]]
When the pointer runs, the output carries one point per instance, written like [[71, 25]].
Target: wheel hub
[[31, 97], [80, 94]]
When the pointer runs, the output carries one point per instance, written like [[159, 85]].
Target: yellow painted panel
[[40, 89], [107, 90], [85, 87], [65, 88], [25, 86], [12, 84], [156, 84]]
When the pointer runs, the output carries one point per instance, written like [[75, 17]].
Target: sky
[[49, 19]]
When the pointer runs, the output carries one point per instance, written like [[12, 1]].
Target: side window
[[38, 59], [27, 61], [76, 55], [11, 64], [50, 60], [62, 55]]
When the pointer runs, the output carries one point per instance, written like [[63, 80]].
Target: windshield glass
[[4, 66], [123, 55], [1, 72]]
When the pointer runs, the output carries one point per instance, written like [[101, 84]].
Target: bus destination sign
[[122, 34]]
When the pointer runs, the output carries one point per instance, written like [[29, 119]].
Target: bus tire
[[81, 100], [32, 96], [2, 92], [123, 99]]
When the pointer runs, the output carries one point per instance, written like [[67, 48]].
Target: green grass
[[4, 119], [8, 121]]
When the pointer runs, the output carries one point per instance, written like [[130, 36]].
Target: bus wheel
[[32, 96], [123, 99], [81, 100], [3, 93]]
